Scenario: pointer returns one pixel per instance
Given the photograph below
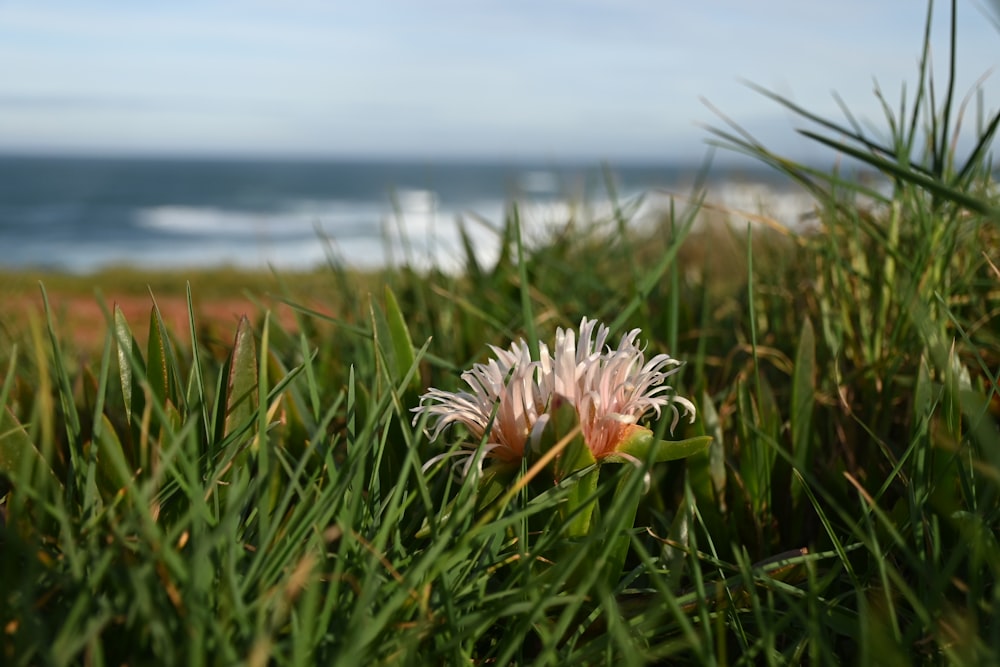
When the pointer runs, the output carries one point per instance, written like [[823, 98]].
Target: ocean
[[78, 215]]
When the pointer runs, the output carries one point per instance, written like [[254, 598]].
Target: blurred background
[[284, 133]]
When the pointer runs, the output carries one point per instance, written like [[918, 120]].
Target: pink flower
[[610, 388]]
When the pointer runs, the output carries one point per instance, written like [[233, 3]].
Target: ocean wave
[[298, 219], [412, 225]]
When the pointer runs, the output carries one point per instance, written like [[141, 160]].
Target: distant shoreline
[[721, 163]]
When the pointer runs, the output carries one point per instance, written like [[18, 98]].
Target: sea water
[[80, 214]]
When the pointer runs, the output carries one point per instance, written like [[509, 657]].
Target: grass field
[[180, 485]]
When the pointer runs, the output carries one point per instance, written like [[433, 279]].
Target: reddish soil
[[80, 322]]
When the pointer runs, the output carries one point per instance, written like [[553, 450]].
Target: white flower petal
[[610, 388]]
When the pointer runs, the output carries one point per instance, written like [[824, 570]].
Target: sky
[[552, 79]]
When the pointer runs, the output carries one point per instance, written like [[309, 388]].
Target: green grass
[[161, 503], [206, 283]]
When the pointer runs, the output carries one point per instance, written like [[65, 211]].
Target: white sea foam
[[178, 214], [407, 227], [414, 226], [738, 203], [296, 219], [792, 209]]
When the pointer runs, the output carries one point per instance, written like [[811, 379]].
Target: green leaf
[[425, 528], [292, 431], [527, 312], [237, 412], [113, 470], [15, 445], [157, 369], [124, 345], [392, 452], [929, 183], [495, 480], [402, 345], [130, 368], [576, 456], [923, 394], [581, 503], [760, 431], [196, 382], [625, 507], [707, 471], [472, 268], [241, 385], [803, 391], [562, 419], [644, 447], [65, 387]]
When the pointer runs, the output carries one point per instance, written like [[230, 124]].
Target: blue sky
[[587, 79]]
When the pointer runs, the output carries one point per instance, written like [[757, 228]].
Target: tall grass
[[164, 503]]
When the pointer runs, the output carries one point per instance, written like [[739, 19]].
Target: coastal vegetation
[[225, 489]]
